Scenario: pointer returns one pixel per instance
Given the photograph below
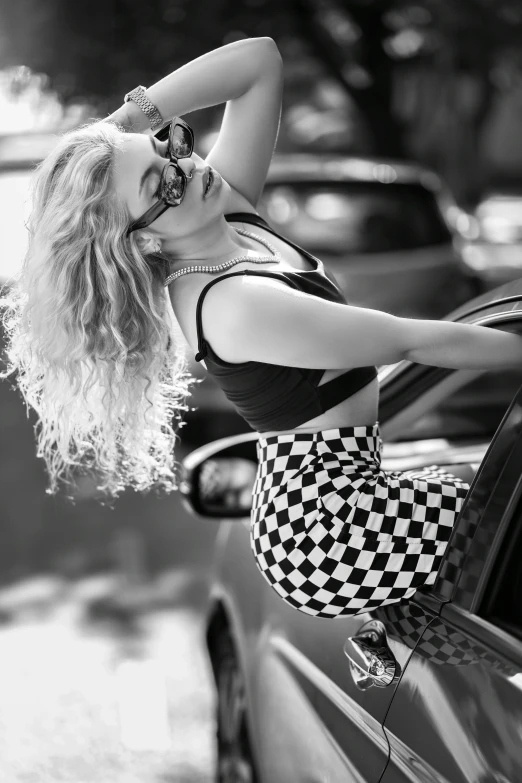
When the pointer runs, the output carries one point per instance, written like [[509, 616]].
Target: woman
[[117, 216]]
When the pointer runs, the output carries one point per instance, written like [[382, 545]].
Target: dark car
[[426, 690]]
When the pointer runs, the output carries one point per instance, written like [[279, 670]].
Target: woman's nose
[[187, 165]]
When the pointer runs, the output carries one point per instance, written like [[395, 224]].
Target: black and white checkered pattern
[[336, 535]]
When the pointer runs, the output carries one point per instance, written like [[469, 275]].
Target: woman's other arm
[[247, 75], [262, 319]]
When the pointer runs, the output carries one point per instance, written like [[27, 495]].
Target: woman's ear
[[148, 243], [159, 264], [150, 247]]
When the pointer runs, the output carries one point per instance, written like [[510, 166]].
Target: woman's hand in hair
[[130, 116]]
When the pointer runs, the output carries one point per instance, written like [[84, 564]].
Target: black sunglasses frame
[[164, 203]]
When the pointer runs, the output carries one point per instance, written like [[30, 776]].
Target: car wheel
[[234, 759]]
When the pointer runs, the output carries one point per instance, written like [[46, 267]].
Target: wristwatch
[[140, 99]]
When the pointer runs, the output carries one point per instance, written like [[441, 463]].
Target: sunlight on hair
[[89, 327]]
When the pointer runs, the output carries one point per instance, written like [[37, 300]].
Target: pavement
[[103, 697]]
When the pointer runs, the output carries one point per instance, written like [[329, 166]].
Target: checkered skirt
[[334, 534]]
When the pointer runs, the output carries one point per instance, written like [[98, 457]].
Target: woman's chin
[[222, 198]]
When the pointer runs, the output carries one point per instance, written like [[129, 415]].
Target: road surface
[[95, 703]]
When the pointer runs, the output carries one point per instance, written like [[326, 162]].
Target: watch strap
[[139, 97]]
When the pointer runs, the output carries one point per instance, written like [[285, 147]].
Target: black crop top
[[273, 396]]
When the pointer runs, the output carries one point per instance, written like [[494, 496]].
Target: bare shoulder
[[228, 308]]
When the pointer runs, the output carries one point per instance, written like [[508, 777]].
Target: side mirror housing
[[218, 483]]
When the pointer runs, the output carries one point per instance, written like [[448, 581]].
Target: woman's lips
[[215, 184], [207, 177]]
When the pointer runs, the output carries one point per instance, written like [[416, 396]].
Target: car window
[[355, 217], [474, 410]]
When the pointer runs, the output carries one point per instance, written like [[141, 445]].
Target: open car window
[[472, 411], [459, 406]]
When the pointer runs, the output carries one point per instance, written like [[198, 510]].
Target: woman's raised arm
[[247, 75]]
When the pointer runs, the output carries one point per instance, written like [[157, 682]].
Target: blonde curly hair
[[89, 328]]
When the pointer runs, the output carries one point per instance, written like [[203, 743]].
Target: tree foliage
[[418, 71], [98, 49], [423, 73]]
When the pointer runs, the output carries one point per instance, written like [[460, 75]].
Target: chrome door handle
[[371, 661]]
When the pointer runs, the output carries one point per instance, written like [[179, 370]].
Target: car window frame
[[410, 390], [499, 563], [468, 618], [471, 550], [483, 557]]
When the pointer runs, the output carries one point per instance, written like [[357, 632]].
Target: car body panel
[[456, 719], [295, 664]]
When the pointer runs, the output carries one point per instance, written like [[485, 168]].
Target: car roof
[[306, 167]]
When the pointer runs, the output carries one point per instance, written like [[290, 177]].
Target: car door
[[299, 737], [450, 421], [457, 713]]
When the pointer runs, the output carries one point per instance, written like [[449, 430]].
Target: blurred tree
[[349, 36], [422, 73], [94, 51], [421, 68], [98, 49]]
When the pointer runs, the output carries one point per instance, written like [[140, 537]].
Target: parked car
[[426, 690], [379, 225], [492, 239]]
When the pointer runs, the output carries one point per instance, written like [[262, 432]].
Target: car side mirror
[[220, 487]]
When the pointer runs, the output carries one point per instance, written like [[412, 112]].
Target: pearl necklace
[[276, 256]]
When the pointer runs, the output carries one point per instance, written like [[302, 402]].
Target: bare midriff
[[359, 409]]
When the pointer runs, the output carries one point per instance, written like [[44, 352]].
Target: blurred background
[[399, 164]]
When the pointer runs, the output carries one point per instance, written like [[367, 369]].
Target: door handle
[[371, 661]]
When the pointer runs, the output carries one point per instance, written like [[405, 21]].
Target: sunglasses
[[173, 180]]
